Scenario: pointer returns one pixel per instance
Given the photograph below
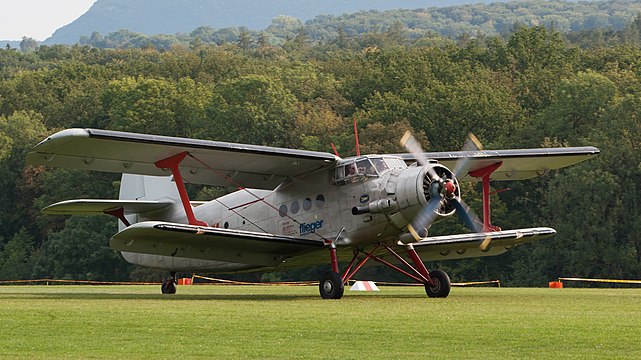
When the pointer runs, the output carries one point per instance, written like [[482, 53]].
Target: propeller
[[466, 215], [413, 146], [443, 190], [472, 143]]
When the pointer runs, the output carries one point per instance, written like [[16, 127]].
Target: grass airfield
[[280, 322]]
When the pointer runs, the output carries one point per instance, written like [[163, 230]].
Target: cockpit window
[[357, 170], [380, 165], [393, 163], [365, 167], [351, 169]]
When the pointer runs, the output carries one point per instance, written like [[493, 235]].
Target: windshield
[[380, 164], [357, 170]]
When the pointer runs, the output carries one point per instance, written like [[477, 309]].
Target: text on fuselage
[[311, 227]]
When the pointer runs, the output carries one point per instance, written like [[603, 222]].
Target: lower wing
[[469, 245], [188, 241]]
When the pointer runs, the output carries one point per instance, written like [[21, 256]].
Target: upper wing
[[468, 245], [211, 162], [518, 164], [188, 241]]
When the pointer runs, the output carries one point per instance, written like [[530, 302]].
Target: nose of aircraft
[[447, 195]]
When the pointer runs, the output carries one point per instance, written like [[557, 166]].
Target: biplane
[[295, 208]]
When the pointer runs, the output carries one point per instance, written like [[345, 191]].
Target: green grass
[[260, 322]]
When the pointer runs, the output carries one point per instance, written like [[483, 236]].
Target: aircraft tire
[[441, 287], [168, 287], [331, 286]]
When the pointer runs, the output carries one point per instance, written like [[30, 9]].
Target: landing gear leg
[[331, 283], [437, 282], [169, 285]]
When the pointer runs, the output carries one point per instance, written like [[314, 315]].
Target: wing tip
[[42, 152], [64, 134]]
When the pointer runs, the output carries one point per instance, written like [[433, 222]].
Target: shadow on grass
[[188, 297], [178, 297]]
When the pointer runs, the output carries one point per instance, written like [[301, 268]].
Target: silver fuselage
[[316, 206]]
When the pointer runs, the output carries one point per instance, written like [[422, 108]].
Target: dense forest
[[533, 87]]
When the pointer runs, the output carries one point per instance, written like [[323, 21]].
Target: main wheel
[[441, 284], [331, 286], [168, 286]]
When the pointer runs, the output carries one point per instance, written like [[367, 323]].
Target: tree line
[[531, 88], [592, 21]]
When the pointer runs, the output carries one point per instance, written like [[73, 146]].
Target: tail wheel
[[441, 285], [331, 286]]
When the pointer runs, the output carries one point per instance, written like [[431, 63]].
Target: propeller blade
[[466, 215], [484, 245], [424, 218], [472, 143], [412, 145], [469, 218]]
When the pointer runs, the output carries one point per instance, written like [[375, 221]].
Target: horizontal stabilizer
[[99, 207], [468, 245], [188, 241]]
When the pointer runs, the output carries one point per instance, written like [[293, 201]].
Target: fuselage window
[[294, 207], [320, 200], [307, 204], [282, 210]]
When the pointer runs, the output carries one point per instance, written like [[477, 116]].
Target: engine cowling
[[415, 187]]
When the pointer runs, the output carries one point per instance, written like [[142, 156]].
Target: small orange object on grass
[[184, 281], [555, 285]]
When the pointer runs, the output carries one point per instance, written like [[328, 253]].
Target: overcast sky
[[38, 18]]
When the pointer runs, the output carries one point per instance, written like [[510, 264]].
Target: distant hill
[[174, 16], [14, 44]]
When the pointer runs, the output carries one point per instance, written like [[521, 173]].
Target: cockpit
[[362, 168]]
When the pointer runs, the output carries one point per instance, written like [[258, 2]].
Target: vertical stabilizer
[[144, 187]]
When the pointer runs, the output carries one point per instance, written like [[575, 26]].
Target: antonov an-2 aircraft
[[294, 208]]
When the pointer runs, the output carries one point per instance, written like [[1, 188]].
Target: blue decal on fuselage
[[311, 227]]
